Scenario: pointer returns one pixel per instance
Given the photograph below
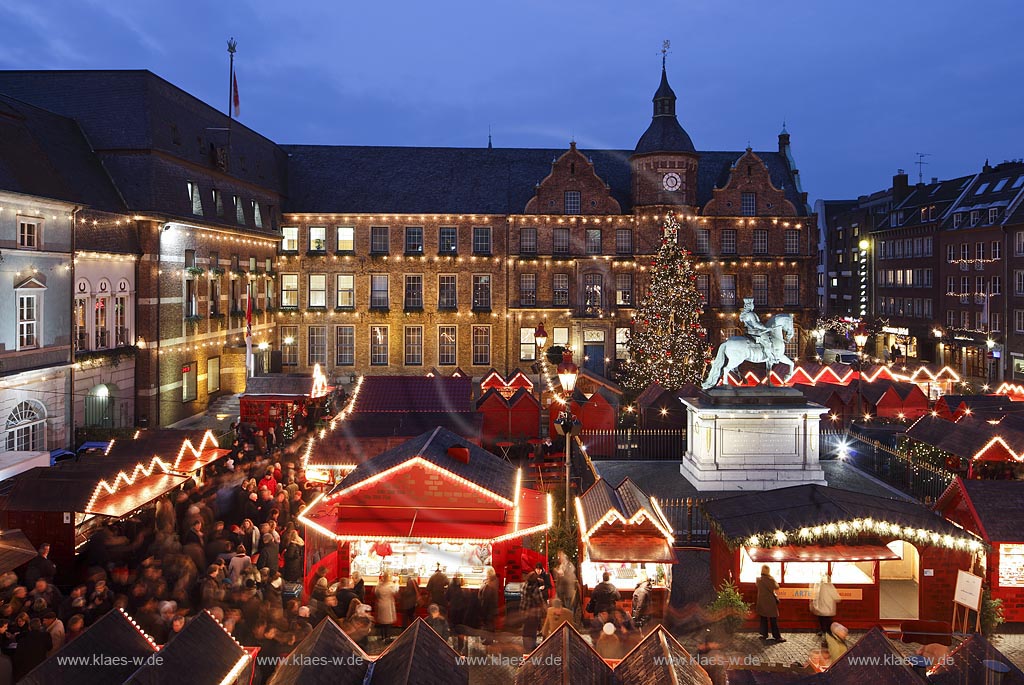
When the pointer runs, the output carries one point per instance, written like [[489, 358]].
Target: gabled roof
[[418, 657], [804, 507], [965, 665], [327, 656], [626, 499], [114, 634], [15, 550], [660, 660], [300, 385], [889, 667], [414, 394], [203, 653], [564, 658], [484, 469], [999, 505]]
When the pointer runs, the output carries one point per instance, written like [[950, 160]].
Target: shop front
[[891, 561], [435, 501], [275, 400], [624, 533], [899, 344]]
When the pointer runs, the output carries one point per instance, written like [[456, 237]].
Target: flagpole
[[232, 46], [249, 366]]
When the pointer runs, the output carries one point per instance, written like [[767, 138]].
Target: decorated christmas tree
[[667, 342]]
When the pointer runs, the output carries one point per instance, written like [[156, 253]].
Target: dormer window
[[572, 202], [958, 219], [975, 217], [993, 215]]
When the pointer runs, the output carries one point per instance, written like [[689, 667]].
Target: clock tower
[[664, 163]]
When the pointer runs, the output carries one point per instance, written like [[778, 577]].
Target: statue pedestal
[[751, 439]]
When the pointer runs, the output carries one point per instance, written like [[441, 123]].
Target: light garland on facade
[[124, 479], [613, 514], [854, 528]]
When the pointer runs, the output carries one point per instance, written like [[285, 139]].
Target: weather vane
[[665, 45]]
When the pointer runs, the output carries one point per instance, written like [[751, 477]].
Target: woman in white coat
[[385, 593], [823, 603]]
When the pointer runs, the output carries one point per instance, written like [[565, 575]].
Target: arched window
[[26, 428]]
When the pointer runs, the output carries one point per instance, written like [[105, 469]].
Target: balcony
[[81, 341]]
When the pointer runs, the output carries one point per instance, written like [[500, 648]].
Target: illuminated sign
[[845, 594], [896, 330], [1011, 565]]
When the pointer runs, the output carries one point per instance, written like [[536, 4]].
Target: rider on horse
[[756, 330]]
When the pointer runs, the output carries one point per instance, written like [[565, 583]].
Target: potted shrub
[[991, 613], [729, 608], [216, 272]]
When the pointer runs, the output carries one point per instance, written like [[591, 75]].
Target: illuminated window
[[750, 570], [446, 345], [624, 290], [447, 291], [239, 210], [212, 374], [593, 291], [622, 344], [346, 291], [257, 215], [378, 345], [291, 238], [195, 201], [317, 291], [853, 572], [346, 239], [703, 286], [527, 344], [289, 345], [560, 336], [189, 381], [379, 298], [317, 238]]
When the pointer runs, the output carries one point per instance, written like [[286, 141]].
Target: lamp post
[[567, 375], [990, 344], [860, 338]]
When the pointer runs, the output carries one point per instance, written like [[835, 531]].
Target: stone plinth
[[751, 439]]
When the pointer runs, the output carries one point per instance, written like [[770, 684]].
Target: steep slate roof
[[203, 650], [849, 668], [438, 180], [414, 394], [326, 657], [1000, 506], [964, 665], [801, 506], [627, 498], [418, 657], [112, 635], [564, 658], [660, 660], [47, 155], [484, 469]]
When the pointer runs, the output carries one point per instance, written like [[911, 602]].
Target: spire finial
[[489, 145], [665, 45], [784, 125]]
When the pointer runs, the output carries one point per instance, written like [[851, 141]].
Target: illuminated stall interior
[[624, 532], [435, 500], [271, 400], [890, 560]]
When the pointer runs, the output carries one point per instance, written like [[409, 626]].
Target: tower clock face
[[671, 181]]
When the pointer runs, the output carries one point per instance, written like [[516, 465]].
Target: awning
[[191, 464], [630, 549], [15, 550], [138, 494], [812, 553]]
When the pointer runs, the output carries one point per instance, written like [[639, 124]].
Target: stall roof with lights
[[892, 667], [659, 659], [327, 656], [996, 507], [203, 653], [564, 657], [623, 524], [965, 665], [804, 514], [419, 655]]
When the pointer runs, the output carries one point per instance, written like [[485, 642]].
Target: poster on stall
[[968, 590]]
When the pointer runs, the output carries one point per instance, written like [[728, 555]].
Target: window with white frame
[[346, 239], [379, 298], [414, 345], [481, 345], [704, 286], [81, 324], [965, 289], [122, 333], [927, 312], [1018, 320], [560, 241], [316, 345], [997, 249], [189, 381], [378, 345], [975, 218], [346, 291], [727, 290], [560, 336], [99, 313], [194, 198], [993, 215], [622, 344], [482, 240], [413, 240], [996, 286], [290, 242], [345, 346], [527, 241], [624, 241], [791, 289], [792, 244], [572, 202], [729, 241], [593, 291], [289, 290], [560, 289], [951, 253], [413, 292], [447, 240], [593, 241], [380, 241], [624, 290], [29, 233], [481, 291], [527, 290], [26, 428], [447, 338], [212, 374], [527, 344], [748, 204], [997, 322], [317, 238], [702, 241], [317, 291], [289, 345], [965, 319], [950, 317], [28, 320], [760, 241], [1018, 282], [928, 245], [447, 291], [257, 215], [759, 283]]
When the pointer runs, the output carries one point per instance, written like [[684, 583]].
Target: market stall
[[435, 500], [272, 401], [891, 560], [624, 532]]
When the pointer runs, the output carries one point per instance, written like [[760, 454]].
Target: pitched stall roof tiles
[[113, 635], [1000, 506], [15, 550], [660, 660], [430, 394], [889, 669], [564, 658], [327, 656], [965, 665], [203, 650], [418, 657]]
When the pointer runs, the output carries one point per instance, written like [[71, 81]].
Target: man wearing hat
[[757, 330]]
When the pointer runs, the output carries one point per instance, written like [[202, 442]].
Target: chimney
[[935, 179], [459, 453], [900, 186], [783, 142]]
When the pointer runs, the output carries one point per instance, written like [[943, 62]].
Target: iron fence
[[916, 478], [635, 443], [689, 523]]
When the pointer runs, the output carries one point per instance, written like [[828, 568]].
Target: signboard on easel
[[966, 598]]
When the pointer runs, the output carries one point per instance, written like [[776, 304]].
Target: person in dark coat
[[544, 578], [459, 612], [40, 566], [489, 603], [294, 558], [33, 645], [767, 605], [409, 600], [437, 588], [269, 553], [533, 606], [604, 595]]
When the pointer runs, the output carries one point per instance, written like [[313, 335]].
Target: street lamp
[[567, 375], [540, 336], [860, 338]]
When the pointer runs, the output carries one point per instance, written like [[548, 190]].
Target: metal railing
[[635, 443], [921, 480], [102, 340], [690, 525]]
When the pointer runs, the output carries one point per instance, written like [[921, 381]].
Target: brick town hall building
[[397, 259]]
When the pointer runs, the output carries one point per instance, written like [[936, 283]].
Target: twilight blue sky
[[862, 85]]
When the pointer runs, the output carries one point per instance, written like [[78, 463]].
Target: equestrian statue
[[765, 343]]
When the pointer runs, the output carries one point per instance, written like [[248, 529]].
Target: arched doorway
[[99, 406], [26, 428], [899, 583]]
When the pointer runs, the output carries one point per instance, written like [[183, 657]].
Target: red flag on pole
[[248, 311], [234, 94]]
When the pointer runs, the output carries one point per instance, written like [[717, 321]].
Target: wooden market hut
[[624, 532], [327, 656], [419, 656], [269, 400], [564, 657], [512, 418], [435, 499], [994, 511], [805, 531]]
